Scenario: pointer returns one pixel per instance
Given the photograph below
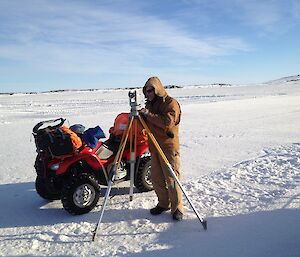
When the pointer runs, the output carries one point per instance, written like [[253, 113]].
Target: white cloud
[[296, 9], [78, 37], [264, 14], [267, 16]]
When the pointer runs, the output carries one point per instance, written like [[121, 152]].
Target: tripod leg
[[113, 171], [160, 151], [132, 160], [109, 186], [123, 143], [202, 221]]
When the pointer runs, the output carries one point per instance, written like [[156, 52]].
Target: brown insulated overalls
[[163, 121]]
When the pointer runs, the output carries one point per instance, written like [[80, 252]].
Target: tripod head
[[134, 102]]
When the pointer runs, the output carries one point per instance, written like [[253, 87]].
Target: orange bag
[[76, 141], [120, 124]]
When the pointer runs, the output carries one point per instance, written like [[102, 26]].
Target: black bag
[[55, 141]]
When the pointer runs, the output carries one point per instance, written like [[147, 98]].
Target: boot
[[158, 210], [177, 215]]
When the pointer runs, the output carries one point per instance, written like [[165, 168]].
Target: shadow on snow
[[21, 206], [273, 233]]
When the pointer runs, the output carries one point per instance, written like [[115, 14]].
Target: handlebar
[[37, 126]]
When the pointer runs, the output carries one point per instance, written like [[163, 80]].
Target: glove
[[170, 134], [144, 112]]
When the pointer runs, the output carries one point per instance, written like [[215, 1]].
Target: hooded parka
[[163, 121]]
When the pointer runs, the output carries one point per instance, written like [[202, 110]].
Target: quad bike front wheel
[[80, 194], [143, 177], [44, 189]]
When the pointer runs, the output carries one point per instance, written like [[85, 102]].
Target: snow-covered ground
[[241, 163]]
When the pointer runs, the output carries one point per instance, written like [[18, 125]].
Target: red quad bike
[[75, 179]]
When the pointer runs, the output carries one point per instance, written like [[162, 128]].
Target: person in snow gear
[[162, 115]]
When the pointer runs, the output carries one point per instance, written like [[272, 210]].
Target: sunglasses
[[150, 90]]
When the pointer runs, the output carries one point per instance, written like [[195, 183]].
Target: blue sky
[[46, 45]]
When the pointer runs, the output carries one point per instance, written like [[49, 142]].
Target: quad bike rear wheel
[[80, 194], [143, 177], [44, 189]]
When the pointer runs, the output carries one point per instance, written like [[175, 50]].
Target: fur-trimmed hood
[[158, 87]]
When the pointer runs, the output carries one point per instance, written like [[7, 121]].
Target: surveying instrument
[[128, 134]]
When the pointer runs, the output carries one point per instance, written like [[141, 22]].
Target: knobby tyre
[[44, 189], [80, 194], [143, 177]]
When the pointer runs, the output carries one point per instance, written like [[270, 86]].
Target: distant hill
[[289, 79], [285, 80]]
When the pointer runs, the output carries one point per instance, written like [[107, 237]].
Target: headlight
[[54, 166]]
